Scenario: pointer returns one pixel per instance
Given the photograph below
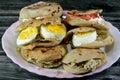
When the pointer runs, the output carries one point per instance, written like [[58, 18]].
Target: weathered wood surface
[[9, 12]]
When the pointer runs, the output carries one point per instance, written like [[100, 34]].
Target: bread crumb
[[59, 72]]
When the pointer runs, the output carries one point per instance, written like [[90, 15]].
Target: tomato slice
[[86, 16]]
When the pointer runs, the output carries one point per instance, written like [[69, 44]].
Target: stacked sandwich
[[88, 34], [43, 37], [40, 34]]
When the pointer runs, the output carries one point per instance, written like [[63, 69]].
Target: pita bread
[[103, 38], [81, 60], [44, 57], [73, 19], [37, 23]]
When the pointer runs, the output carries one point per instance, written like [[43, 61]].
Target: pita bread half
[[47, 57], [40, 10], [104, 38], [81, 60], [73, 18]]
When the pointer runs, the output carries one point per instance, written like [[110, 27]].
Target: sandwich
[[40, 33], [81, 60], [40, 10], [41, 25], [49, 57], [90, 18], [88, 37], [46, 35]]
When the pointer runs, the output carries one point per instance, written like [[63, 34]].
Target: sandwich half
[[88, 37], [45, 57], [90, 18], [81, 60]]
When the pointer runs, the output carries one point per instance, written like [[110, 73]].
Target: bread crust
[[103, 38]]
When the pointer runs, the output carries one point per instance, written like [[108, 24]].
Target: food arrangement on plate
[[44, 36]]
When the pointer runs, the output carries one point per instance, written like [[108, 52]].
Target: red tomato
[[87, 16]]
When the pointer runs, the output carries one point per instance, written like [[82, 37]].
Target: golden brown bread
[[103, 38], [81, 60], [44, 57], [40, 10]]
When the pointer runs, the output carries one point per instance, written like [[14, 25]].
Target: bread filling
[[88, 65], [33, 60], [51, 62], [101, 35], [83, 38], [84, 16]]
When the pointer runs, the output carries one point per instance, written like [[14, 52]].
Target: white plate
[[9, 46]]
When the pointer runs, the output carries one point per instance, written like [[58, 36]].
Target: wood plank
[[7, 20], [112, 18], [2, 30], [9, 70], [107, 6], [2, 52], [111, 14], [108, 77], [12, 71], [3, 27], [9, 12]]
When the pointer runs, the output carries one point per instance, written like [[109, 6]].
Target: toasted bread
[[81, 60], [44, 57], [104, 38], [74, 18], [40, 10]]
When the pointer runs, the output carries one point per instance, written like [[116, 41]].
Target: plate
[[9, 46]]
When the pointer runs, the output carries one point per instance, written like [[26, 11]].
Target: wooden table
[[9, 13]]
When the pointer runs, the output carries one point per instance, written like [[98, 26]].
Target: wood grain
[[9, 13]]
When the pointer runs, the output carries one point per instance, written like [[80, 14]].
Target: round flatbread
[[81, 60], [40, 10], [73, 18], [44, 57]]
